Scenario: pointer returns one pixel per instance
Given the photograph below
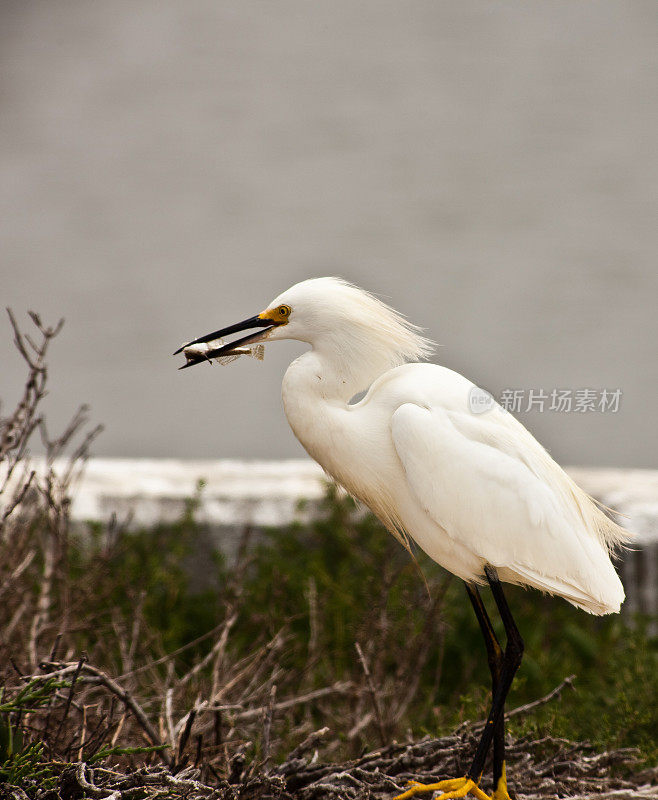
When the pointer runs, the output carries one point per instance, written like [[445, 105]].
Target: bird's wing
[[489, 484]]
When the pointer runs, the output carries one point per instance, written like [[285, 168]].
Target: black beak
[[252, 322]]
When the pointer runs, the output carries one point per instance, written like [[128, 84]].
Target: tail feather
[[592, 601]]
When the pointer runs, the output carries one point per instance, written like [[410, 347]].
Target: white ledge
[[237, 493]]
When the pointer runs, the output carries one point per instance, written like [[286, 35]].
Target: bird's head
[[335, 318]]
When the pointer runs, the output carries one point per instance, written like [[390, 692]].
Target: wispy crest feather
[[378, 335]]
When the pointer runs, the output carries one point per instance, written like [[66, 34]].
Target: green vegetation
[[343, 579], [20, 759]]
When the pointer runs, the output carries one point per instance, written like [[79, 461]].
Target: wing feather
[[489, 484]]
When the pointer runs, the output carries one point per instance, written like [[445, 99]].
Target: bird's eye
[[284, 311]]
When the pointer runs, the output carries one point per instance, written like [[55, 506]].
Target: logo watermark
[[480, 400], [559, 401]]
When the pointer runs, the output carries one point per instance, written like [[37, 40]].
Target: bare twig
[[69, 697], [524, 709], [215, 653], [340, 687], [267, 726], [169, 717], [310, 743], [373, 694], [100, 678], [519, 710]]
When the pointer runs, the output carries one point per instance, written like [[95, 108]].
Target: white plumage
[[470, 489]]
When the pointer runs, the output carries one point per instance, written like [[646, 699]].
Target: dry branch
[[372, 692], [97, 677], [543, 769]]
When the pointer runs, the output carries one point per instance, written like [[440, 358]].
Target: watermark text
[[559, 401]]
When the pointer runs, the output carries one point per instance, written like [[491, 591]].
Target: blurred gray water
[[488, 168]]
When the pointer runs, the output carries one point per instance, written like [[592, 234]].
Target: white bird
[[476, 492]]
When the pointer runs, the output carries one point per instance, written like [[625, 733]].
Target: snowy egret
[[475, 491]]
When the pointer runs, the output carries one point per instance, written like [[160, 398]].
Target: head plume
[[353, 327]]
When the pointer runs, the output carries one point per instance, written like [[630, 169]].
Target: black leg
[[495, 659], [510, 663]]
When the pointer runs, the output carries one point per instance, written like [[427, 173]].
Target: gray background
[[488, 168]]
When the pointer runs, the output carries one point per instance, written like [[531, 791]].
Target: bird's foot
[[452, 788]]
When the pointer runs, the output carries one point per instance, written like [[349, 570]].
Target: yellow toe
[[450, 789]]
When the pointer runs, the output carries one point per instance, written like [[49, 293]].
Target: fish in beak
[[201, 349]]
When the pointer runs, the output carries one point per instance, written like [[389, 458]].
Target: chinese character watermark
[[561, 401], [512, 399]]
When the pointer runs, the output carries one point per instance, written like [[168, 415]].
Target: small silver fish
[[196, 352]]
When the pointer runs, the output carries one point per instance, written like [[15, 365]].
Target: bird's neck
[[324, 377], [316, 392]]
